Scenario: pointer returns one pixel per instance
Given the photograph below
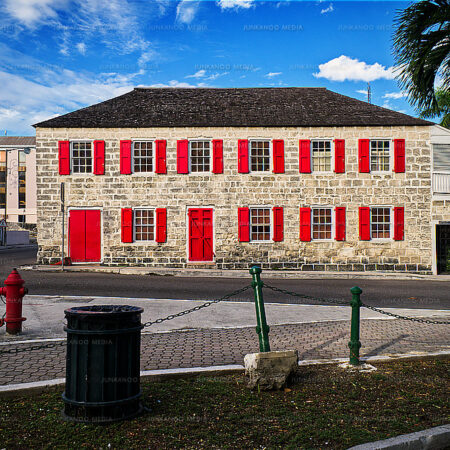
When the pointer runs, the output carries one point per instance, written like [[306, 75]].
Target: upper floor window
[[322, 223], [200, 156], [380, 155], [260, 225], [321, 155], [380, 222], [144, 224], [142, 156], [259, 156], [81, 157]]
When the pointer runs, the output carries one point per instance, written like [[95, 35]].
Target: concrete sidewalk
[[45, 314], [238, 273]]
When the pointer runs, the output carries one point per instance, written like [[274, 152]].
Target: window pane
[[321, 156], [144, 226], [379, 155], [322, 223], [143, 156], [200, 156], [260, 156], [380, 223], [81, 157], [260, 224]]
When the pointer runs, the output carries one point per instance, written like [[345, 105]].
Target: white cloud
[[175, 84], [362, 91], [187, 10], [346, 68], [272, 74], [395, 95], [33, 12], [198, 74], [81, 47], [204, 75], [235, 4], [327, 10]]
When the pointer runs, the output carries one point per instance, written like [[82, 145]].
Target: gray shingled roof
[[248, 107], [20, 141]]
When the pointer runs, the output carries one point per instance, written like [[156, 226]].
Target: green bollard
[[355, 343], [262, 328]]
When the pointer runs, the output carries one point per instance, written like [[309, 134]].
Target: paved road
[[383, 293]]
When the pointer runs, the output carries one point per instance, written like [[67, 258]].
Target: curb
[[238, 273], [37, 387], [434, 438]]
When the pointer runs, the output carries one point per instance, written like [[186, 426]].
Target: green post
[[355, 343], [262, 328]]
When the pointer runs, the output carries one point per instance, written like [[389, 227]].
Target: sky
[[57, 56]]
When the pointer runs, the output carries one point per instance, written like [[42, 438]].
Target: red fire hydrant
[[14, 293]]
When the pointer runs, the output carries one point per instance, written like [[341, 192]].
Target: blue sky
[[60, 55]]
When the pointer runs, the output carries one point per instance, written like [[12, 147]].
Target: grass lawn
[[326, 407]]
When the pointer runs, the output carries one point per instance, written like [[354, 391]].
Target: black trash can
[[103, 363]]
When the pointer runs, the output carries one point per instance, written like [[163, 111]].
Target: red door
[[85, 235], [201, 235]]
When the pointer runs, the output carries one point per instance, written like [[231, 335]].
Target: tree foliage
[[443, 108], [422, 51]]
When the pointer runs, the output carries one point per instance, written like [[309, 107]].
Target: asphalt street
[[379, 292]]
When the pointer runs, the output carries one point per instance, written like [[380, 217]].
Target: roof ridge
[[225, 89]]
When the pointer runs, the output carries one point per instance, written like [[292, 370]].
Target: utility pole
[[369, 94], [62, 214]]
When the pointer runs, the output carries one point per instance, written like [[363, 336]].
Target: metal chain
[[2, 320], [308, 297], [196, 308], [34, 347], [414, 319]]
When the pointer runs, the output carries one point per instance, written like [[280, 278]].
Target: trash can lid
[[104, 309]]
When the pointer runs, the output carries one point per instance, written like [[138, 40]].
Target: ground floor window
[[380, 222], [260, 224], [144, 224], [322, 223]]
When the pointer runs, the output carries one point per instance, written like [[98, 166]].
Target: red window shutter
[[64, 157], [99, 157], [305, 224], [127, 225], [244, 224], [160, 157], [305, 155], [339, 156], [161, 225], [340, 223], [125, 157], [278, 156], [399, 223], [399, 155], [364, 223], [364, 155], [183, 156], [243, 156], [217, 156], [278, 224]]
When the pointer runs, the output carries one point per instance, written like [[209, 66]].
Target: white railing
[[441, 182]]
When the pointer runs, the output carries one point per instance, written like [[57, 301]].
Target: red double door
[[85, 238], [201, 245]]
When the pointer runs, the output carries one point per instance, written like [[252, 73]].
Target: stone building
[[292, 178]]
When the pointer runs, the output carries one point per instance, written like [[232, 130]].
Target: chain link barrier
[[2, 320], [33, 347], [344, 303], [197, 308], [333, 301]]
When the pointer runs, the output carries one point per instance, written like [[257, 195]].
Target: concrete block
[[270, 370]]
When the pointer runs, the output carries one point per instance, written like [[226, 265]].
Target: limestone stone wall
[[230, 190]]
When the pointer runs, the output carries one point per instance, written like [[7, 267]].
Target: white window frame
[[332, 151], [270, 208], [144, 208], [153, 157], [75, 141], [389, 170], [391, 223], [333, 222], [210, 156], [270, 158]]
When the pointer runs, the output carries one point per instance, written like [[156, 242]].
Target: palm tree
[[422, 50], [443, 108]]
